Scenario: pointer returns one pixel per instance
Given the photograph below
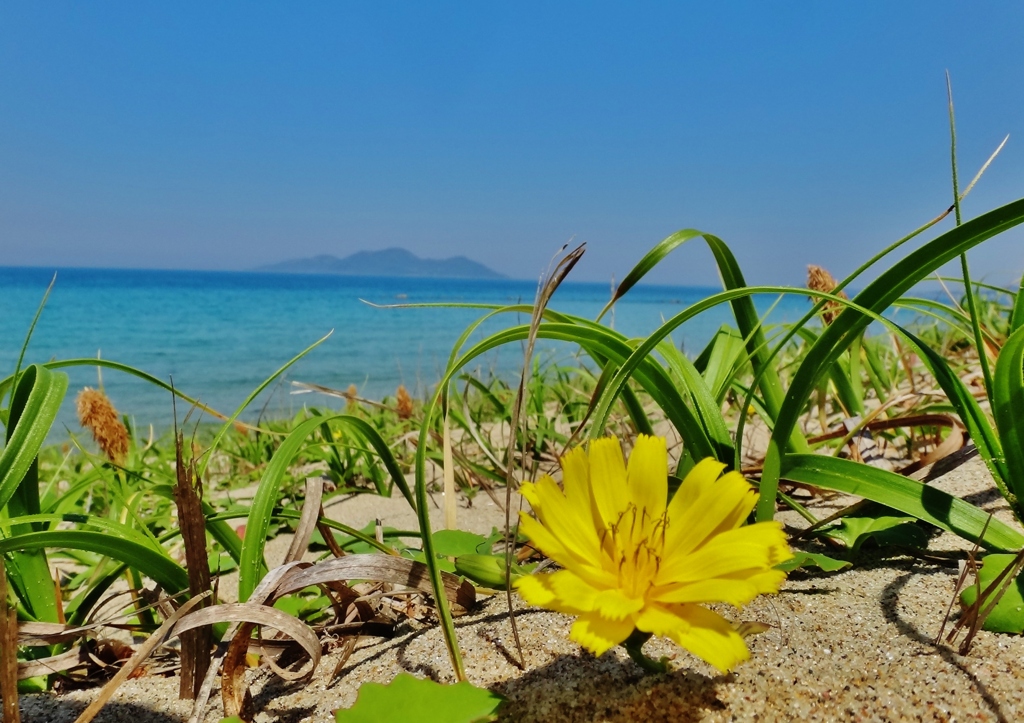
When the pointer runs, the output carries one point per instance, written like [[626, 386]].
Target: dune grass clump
[[642, 546]]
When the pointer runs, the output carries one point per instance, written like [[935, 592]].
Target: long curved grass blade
[[602, 343], [1017, 314], [639, 355], [1008, 410], [922, 501], [956, 319], [31, 329], [261, 511], [708, 408], [34, 406], [117, 366], [105, 525], [967, 408], [747, 319], [877, 297], [156, 565], [372, 436], [651, 259], [226, 427]]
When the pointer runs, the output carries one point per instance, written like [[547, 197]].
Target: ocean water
[[218, 335]]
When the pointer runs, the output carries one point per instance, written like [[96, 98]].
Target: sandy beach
[[854, 645]]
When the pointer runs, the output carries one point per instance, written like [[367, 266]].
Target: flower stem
[[634, 646]]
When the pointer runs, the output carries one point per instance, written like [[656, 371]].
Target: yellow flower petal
[[616, 605], [535, 590], [574, 592], [767, 582], [647, 477], [661, 620], [633, 561], [608, 479], [598, 634], [754, 547], [562, 592], [721, 505], [710, 637], [573, 526], [551, 546], [735, 591], [699, 479], [529, 492], [576, 479]]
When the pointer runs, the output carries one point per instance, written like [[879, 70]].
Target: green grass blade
[[708, 408], [640, 355], [106, 526], [226, 427], [877, 297], [747, 319], [1017, 314], [34, 406], [156, 565], [1008, 410], [967, 408], [922, 501], [251, 564], [31, 329], [116, 366]]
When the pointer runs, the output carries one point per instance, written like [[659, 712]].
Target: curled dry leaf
[[258, 615]]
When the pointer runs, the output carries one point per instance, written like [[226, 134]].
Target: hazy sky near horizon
[[230, 135]]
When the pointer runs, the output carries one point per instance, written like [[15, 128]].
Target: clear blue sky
[[228, 135]]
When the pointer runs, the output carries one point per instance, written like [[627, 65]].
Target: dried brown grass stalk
[[97, 414], [819, 279], [403, 403], [195, 644], [545, 290], [8, 653]]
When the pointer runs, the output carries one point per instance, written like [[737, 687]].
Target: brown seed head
[[819, 279], [403, 403], [351, 403], [97, 414]]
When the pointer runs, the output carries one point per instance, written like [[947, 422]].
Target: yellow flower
[[634, 560]]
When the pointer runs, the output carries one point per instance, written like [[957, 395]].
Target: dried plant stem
[[545, 291], [8, 653], [450, 507], [144, 651]]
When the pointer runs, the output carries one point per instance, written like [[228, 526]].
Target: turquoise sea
[[220, 334]]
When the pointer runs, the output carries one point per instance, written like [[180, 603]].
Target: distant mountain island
[[389, 262]]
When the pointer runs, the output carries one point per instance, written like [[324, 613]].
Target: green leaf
[[884, 530], [33, 409], [452, 543], [1008, 614], [408, 699], [487, 570], [812, 559], [906, 495], [1007, 407]]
